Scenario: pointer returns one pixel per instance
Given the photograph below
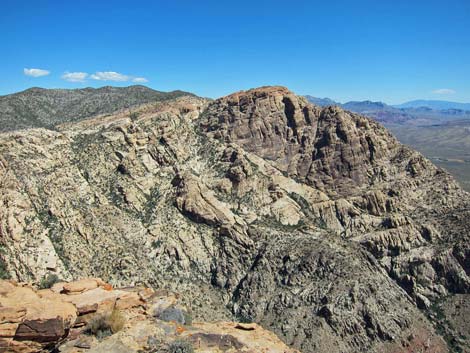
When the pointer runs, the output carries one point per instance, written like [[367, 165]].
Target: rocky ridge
[[315, 223], [39, 107]]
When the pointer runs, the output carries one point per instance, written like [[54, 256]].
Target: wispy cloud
[[110, 76], [444, 91], [36, 72], [75, 76], [140, 80], [100, 76]]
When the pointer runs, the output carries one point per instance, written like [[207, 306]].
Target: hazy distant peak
[[322, 102], [367, 104], [434, 104]]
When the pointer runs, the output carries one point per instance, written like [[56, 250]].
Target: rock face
[[257, 207], [381, 194], [333, 150], [59, 318]]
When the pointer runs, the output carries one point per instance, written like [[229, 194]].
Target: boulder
[[29, 322], [32, 321]]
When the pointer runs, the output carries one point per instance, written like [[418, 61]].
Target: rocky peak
[[315, 223], [331, 149]]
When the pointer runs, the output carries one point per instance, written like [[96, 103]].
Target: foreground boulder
[[65, 318], [29, 321]]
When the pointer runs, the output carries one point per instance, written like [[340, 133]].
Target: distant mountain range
[[322, 102], [418, 112], [434, 104], [39, 107]]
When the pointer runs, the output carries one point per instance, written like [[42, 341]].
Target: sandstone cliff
[[315, 223]]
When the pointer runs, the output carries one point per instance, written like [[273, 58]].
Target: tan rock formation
[[33, 321], [29, 321], [314, 223]]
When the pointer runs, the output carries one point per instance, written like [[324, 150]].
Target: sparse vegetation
[[181, 346], [244, 318], [48, 281], [4, 270], [152, 201], [4, 274], [38, 107], [106, 324], [134, 116], [156, 243], [188, 319], [175, 314], [443, 326], [447, 146]]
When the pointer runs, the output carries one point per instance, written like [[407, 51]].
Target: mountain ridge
[[402, 114], [314, 222], [434, 104], [417, 103], [40, 107]]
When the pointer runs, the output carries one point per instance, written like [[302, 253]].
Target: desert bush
[[180, 346], [48, 281], [134, 116], [105, 324], [4, 274], [116, 321]]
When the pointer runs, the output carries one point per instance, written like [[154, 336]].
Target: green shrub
[[134, 116], [4, 274], [48, 281], [180, 346], [156, 243]]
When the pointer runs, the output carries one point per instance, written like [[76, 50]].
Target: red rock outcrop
[[34, 320]]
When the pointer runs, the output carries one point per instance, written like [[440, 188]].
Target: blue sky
[[347, 50]]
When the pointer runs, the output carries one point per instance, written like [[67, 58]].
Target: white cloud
[[102, 76], [444, 91], [140, 80], [109, 76], [36, 72], [75, 76]]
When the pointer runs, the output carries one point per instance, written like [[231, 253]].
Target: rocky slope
[[38, 107], [313, 222]]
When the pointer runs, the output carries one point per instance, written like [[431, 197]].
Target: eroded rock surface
[[42, 320], [314, 223]]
